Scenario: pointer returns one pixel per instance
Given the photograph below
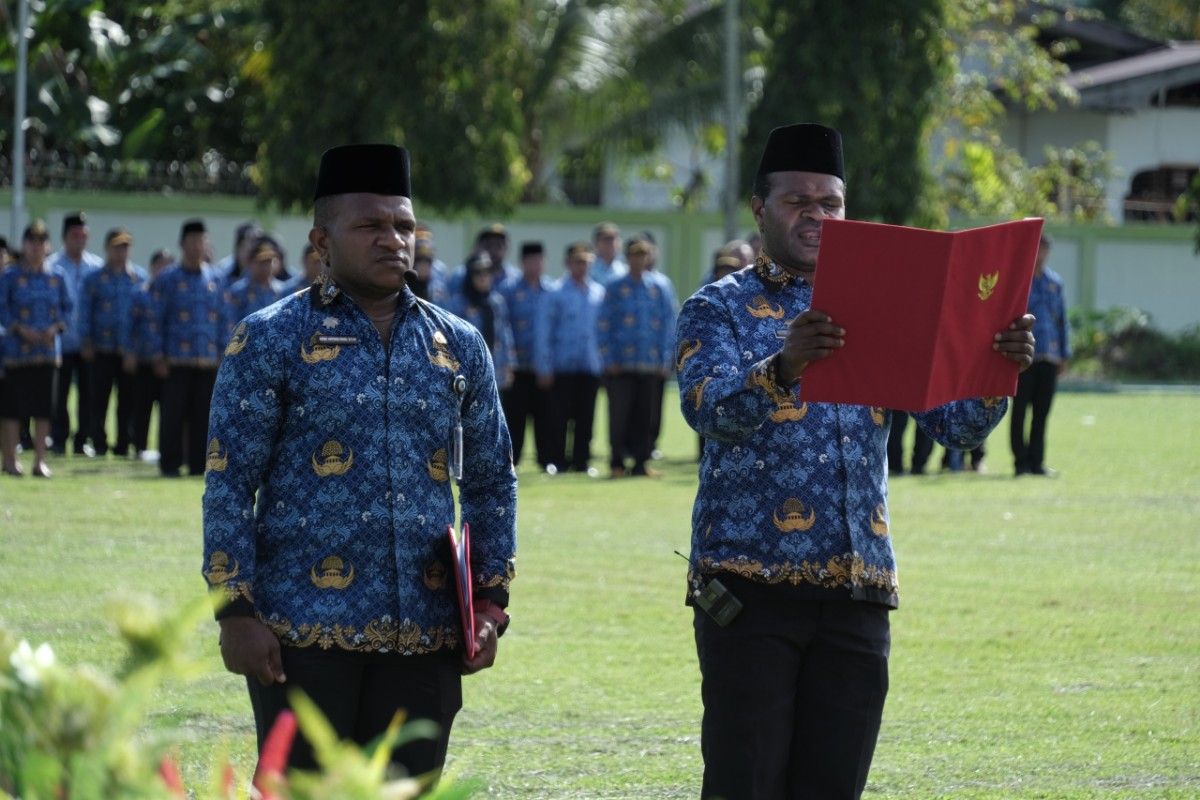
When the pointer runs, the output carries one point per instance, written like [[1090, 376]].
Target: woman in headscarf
[[481, 305]]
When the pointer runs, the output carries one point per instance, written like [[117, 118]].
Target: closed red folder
[[460, 552], [921, 309]]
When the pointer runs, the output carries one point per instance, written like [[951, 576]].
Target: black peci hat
[[804, 147], [532, 249], [369, 168]]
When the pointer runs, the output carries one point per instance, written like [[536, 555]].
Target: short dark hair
[[325, 210], [762, 185], [76, 220]]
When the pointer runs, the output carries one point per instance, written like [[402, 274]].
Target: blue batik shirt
[[106, 313], [637, 325], [524, 307], [73, 273], [143, 325], [328, 486], [605, 272], [790, 492], [566, 336], [190, 318], [502, 344], [35, 300], [1049, 306], [244, 297]]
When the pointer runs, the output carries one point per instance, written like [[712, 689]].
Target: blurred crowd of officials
[[106, 326]]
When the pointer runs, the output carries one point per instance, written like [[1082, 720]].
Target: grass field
[[1048, 643]]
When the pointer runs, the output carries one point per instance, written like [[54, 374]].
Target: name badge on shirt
[[334, 341]]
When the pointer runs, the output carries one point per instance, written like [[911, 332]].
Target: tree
[[1162, 19], [431, 75], [869, 69]]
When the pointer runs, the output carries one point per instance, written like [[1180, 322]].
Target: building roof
[[1132, 82]]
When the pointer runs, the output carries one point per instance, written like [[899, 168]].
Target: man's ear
[[319, 239], [756, 208]]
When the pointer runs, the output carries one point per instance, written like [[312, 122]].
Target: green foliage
[[1127, 346], [876, 86], [431, 76], [73, 732], [1162, 19], [997, 67]]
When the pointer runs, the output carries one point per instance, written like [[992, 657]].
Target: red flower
[[273, 758], [170, 776]]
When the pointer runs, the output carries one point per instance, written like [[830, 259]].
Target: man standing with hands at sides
[[791, 513], [1036, 386], [189, 331], [337, 407]]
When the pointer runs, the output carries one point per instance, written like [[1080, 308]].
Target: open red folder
[[460, 553], [920, 309]]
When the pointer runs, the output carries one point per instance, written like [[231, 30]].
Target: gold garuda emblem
[[329, 460], [987, 284], [237, 342], [217, 460], [441, 355], [437, 466], [760, 308], [687, 349], [793, 515], [879, 523], [788, 411], [435, 576], [218, 571], [332, 574], [317, 352], [878, 415]]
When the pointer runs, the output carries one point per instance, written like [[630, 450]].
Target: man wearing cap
[[791, 513], [607, 265], [35, 306], [190, 331], [566, 356], [637, 336], [74, 262], [105, 327], [328, 493], [525, 399], [258, 288]]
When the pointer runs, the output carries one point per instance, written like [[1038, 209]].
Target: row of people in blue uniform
[[159, 337], [555, 342]]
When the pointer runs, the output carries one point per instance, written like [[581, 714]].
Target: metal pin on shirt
[[459, 384]]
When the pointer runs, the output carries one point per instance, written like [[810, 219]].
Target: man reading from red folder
[[791, 513]]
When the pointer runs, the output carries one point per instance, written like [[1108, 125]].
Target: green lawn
[[1048, 644]]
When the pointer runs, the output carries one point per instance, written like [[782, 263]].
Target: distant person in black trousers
[[1036, 385]]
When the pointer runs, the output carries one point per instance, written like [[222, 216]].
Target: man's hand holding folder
[[480, 621], [927, 313]]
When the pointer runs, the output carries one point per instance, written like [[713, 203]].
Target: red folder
[[920, 309], [460, 552]]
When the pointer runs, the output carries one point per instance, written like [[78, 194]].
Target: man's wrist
[[778, 374]]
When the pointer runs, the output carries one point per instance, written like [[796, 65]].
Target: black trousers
[[106, 373], [793, 693], [521, 401], [73, 369], [922, 445], [183, 418], [1035, 392], [573, 399], [630, 403], [656, 406], [360, 693], [147, 390]]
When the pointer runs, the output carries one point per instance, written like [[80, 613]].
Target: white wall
[[1163, 279]]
